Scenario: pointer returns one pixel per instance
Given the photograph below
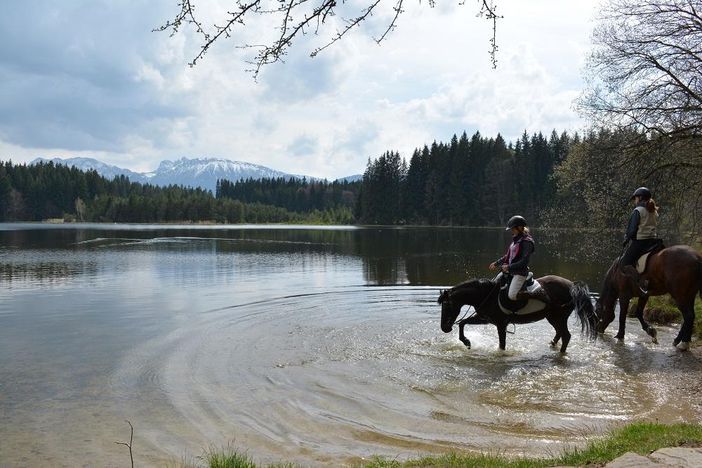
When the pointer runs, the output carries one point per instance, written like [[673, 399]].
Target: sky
[[90, 78]]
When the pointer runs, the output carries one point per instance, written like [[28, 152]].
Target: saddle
[[642, 262], [509, 306]]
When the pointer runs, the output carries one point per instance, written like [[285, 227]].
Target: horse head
[[604, 307], [472, 292], [449, 311]]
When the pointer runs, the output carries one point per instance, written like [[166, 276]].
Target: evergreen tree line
[[44, 191], [560, 181], [295, 195], [474, 181]]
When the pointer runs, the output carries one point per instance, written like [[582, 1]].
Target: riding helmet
[[515, 221], [642, 192]]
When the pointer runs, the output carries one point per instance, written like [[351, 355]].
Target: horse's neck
[[476, 291], [610, 289]]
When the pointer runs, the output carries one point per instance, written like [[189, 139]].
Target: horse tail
[[582, 303]]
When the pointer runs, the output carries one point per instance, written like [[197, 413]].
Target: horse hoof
[[676, 341], [683, 345], [620, 336], [552, 344], [653, 333]]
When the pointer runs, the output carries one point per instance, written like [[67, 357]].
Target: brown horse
[[483, 295], [674, 270]]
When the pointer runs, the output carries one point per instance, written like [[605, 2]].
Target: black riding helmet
[[642, 192], [515, 221]]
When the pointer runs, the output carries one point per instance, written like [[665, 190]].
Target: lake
[[318, 345]]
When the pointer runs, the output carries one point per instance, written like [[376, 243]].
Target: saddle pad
[[641, 263], [531, 306]]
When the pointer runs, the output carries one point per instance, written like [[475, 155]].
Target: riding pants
[[515, 286], [636, 249]]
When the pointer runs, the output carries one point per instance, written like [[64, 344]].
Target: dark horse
[[675, 270], [483, 295]]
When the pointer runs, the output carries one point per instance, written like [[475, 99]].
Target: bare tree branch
[[296, 18], [646, 67], [129, 445]]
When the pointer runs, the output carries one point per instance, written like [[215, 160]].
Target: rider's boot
[[635, 281], [539, 294]]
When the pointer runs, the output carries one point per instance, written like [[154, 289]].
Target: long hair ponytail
[[651, 205]]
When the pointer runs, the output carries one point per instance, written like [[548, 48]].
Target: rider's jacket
[[642, 223], [517, 256]]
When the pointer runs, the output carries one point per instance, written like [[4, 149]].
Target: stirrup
[[643, 286]]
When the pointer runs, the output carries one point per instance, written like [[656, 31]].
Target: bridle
[[476, 310]]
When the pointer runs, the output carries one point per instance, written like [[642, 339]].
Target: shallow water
[[315, 345]]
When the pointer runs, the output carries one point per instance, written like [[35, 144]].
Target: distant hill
[[105, 170], [351, 178], [204, 172], [198, 172]]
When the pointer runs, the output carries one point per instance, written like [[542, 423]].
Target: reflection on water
[[315, 345], [390, 256]]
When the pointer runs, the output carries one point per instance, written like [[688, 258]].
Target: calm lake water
[[318, 345]]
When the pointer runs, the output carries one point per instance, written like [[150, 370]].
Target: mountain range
[[197, 172]]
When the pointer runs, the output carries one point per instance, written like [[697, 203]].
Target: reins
[[477, 309]]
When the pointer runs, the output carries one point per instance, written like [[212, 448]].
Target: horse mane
[[480, 283], [609, 285]]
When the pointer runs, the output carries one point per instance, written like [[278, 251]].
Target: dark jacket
[[633, 225], [520, 250]]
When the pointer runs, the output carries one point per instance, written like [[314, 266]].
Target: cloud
[[303, 146], [355, 138], [79, 75], [88, 77]]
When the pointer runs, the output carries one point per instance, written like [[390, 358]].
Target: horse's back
[[554, 280], [557, 287], [677, 269], [676, 257], [682, 252]]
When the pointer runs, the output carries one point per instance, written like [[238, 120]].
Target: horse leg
[[623, 309], [556, 338], [461, 336], [561, 326], [502, 335], [682, 341], [566, 335], [468, 321], [652, 332]]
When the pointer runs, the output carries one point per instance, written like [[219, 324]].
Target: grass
[[642, 438], [229, 459]]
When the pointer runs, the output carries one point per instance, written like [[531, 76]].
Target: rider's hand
[[493, 266], [505, 268]]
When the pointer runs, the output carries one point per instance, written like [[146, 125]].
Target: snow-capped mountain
[[351, 178], [204, 172], [105, 170], [199, 172]]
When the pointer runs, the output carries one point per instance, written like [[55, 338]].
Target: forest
[[47, 191], [642, 100], [573, 181]]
